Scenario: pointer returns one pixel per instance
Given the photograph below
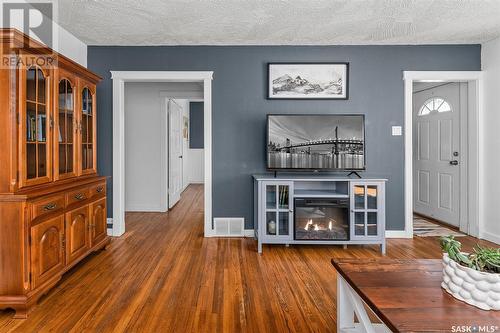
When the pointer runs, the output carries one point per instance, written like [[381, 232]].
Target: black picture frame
[[269, 96]]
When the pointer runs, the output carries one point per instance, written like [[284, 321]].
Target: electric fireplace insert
[[321, 219]]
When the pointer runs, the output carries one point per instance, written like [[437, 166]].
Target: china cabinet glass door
[[278, 209], [35, 116], [87, 130], [66, 131]]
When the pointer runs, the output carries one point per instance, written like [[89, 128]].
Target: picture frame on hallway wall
[[308, 80]]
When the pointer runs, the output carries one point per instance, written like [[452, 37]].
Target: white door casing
[[175, 153], [436, 152]]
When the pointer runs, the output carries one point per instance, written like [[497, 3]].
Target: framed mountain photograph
[[308, 80]]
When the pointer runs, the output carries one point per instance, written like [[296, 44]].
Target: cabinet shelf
[[320, 194]]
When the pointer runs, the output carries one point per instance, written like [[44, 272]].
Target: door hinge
[[29, 277]]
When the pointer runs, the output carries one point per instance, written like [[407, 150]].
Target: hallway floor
[[163, 276]]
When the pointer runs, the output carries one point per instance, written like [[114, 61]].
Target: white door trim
[[119, 78], [475, 146]]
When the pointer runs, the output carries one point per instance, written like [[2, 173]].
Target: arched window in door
[[434, 105]]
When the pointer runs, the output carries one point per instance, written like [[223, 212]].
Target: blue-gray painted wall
[[196, 124], [240, 105]]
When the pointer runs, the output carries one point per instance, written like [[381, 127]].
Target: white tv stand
[[274, 199]]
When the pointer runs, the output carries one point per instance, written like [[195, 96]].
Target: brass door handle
[[80, 196], [50, 206], [99, 189]]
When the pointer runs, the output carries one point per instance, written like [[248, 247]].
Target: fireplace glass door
[[321, 219]]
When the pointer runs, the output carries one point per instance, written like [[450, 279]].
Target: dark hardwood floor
[[163, 276]]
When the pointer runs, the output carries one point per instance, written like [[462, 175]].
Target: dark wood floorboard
[[163, 276]]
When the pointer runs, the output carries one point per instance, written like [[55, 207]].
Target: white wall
[[72, 47], [491, 122], [196, 158], [145, 148], [146, 142]]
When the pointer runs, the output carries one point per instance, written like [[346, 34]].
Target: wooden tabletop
[[407, 296]]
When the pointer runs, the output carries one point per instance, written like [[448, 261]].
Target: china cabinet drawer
[[47, 205], [76, 196], [98, 190]]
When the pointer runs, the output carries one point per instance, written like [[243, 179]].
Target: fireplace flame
[[316, 227], [330, 225], [310, 222]]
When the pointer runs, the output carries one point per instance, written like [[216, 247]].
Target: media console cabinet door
[[366, 208], [47, 250], [277, 209], [77, 234]]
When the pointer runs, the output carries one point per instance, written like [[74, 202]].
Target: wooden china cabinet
[[52, 202]]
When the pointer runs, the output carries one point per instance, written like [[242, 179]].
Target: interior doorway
[[440, 150], [119, 166], [470, 152]]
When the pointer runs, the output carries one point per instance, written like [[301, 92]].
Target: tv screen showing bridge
[[316, 142]]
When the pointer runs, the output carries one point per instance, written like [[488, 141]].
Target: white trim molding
[[474, 144], [119, 78], [397, 234]]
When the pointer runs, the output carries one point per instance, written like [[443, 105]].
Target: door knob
[[454, 162]]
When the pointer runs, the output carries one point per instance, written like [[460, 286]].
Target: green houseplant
[[481, 259], [471, 277]]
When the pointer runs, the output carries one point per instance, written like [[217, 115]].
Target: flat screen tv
[[316, 142]]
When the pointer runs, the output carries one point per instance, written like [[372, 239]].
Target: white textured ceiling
[[280, 22]]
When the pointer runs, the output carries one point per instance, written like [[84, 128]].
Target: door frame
[[119, 78], [473, 212]]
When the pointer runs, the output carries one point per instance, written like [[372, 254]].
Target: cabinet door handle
[[99, 189], [50, 206], [80, 196]]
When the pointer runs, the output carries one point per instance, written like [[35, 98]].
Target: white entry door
[[175, 153], [436, 152]]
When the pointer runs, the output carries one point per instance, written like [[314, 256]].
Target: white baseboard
[[250, 233], [398, 234], [490, 237]]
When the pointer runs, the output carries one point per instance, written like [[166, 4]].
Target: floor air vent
[[229, 227]]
